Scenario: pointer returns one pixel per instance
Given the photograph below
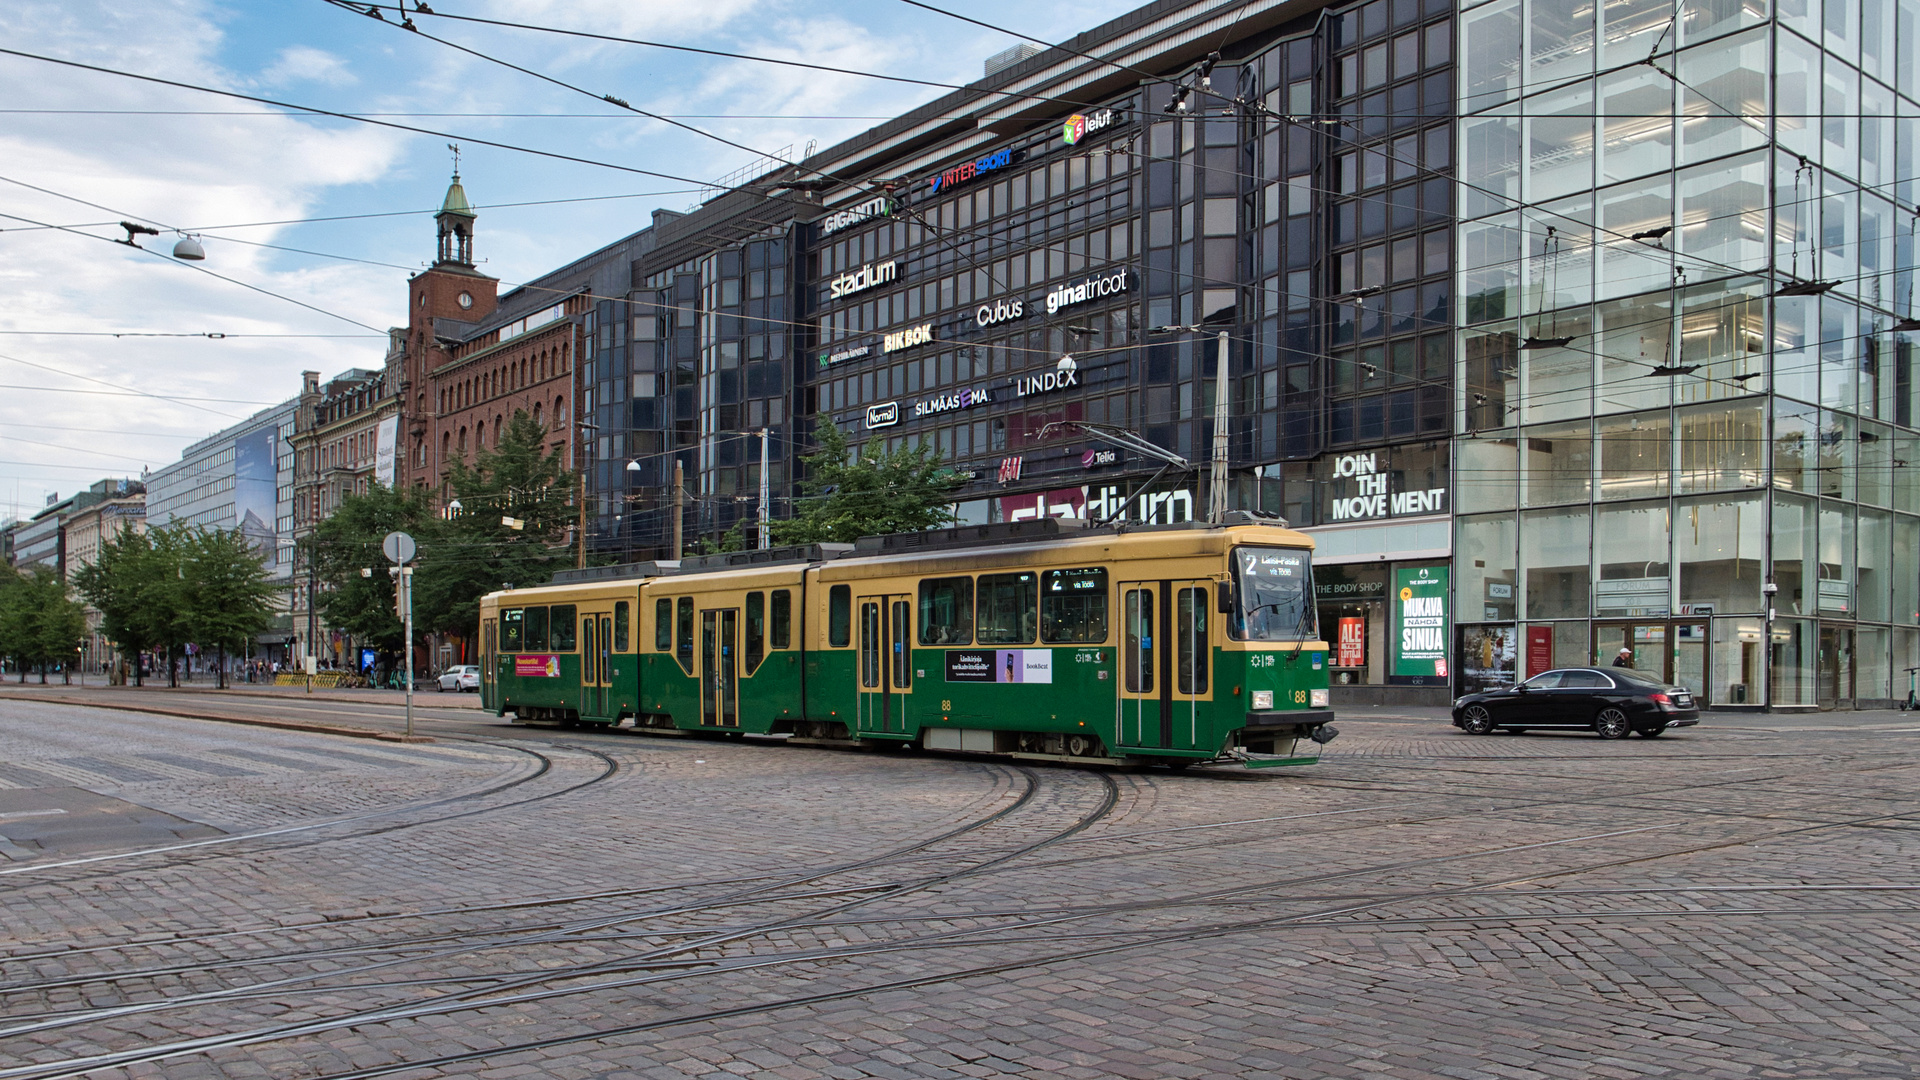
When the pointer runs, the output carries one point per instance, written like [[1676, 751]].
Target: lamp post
[[1222, 412]]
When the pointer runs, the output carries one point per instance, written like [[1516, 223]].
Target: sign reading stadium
[[865, 278]]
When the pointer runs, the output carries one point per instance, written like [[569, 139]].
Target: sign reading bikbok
[[537, 667]]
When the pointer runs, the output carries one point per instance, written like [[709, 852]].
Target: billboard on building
[[386, 434], [255, 493], [1420, 620]]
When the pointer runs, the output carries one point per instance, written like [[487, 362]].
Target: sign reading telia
[[865, 278], [880, 206], [1374, 500]]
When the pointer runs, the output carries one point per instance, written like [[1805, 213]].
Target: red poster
[[534, 666], [1539, 650], [1353, 643]]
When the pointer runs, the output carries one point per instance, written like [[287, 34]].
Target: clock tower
[[449, 291]]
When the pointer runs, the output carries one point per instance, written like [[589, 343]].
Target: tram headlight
[[1263, 699], [1321, 698]]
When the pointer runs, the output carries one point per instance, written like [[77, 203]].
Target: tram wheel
[[1477, 721], [1612, 724], [1078, 745]]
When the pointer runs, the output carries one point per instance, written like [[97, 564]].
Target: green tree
[[521, 479], [349, 541], [846, 496], [229, 595], [40, 621], [120, 583]]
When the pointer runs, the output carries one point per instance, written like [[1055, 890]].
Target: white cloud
[[301, 63]]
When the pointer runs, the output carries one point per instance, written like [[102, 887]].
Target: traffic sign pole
[[401, 548]]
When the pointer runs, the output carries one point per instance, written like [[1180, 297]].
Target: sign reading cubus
[[908, 338], [867, 277], [877, 207], [1420, 621], [1096, 287], [999, 311]]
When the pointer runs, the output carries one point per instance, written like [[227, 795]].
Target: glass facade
[[1686, 388]]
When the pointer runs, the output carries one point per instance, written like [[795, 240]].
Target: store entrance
[[1835, 687], [1674, 651]]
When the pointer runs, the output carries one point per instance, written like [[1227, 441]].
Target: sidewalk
[[447, 700]]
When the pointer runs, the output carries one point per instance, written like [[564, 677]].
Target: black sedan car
[[1611, 702]]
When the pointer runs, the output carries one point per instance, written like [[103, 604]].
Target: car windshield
[[1276, 589]]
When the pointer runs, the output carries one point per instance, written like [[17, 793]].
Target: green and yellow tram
[[1177, 644]]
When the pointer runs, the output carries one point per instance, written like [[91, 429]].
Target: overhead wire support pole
[[1217, 477], [765, 515]]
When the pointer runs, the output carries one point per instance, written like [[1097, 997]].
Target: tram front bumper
[[1269, 726]]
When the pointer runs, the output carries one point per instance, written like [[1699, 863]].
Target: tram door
[[1166, 664], [720, 668], [489, 651], [596, 640], [886, 657]]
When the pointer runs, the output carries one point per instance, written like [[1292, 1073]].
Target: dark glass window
[[622, 617], [1007, 608], [839, 616], [756, 630], [536, 632], [683, 639], [946, 611], [663, 624], [563, 628], [510, 630], [1073, 606], [781, 620]]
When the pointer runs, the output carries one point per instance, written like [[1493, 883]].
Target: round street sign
[[399, 547]]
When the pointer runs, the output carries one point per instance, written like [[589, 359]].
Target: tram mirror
[[1224, 594]]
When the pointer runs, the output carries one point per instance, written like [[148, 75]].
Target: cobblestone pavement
[[1734, 900]]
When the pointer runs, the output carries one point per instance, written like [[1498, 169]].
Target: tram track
[[498, 992]]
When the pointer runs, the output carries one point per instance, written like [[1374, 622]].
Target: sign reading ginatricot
[[1420, 621]]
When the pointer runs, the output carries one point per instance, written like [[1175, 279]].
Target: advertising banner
[[386, 437], [1420, 621], [1539, 650], [1000, 665], [1353, 643], [539, 667]]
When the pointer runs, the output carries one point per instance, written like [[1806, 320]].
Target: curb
[[250, 721]]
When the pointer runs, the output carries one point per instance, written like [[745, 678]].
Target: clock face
[[466, 300]]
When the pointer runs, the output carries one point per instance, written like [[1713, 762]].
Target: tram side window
[[1191, 651], [663, 625], [622, 637], [510, 627], [536, 631], [756, 630], [1006, 608], [563, 627], [839, 616], [946, 611], [781, 619], [1073, 606], [683, 641]]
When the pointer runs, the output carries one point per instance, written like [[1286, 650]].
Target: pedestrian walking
[[1624, 658]]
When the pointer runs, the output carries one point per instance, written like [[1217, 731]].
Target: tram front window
[[1275, 594]]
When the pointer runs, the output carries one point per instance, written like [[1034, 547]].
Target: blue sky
[[196, 162]]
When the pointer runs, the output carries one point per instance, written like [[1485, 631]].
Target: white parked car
[[464, 677]]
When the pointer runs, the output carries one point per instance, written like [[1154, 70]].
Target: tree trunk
[[173, 670], [220, 668], [140, 668], [43, 673]]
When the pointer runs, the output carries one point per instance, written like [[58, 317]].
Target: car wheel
[[1653, 732], [1612, 724], [440, 687], [1477, 720]]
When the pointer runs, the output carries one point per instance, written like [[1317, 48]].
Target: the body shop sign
[[1420, 621]]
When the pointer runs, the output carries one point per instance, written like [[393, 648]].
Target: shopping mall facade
[[1604, 346]]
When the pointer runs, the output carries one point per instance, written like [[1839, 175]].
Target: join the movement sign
[[1420, 621]]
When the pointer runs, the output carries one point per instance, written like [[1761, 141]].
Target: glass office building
[[1686, 395]]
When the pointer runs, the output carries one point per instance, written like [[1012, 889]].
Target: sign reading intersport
[[865, 278], [1109, 283], [880, 206], [960, 174]]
